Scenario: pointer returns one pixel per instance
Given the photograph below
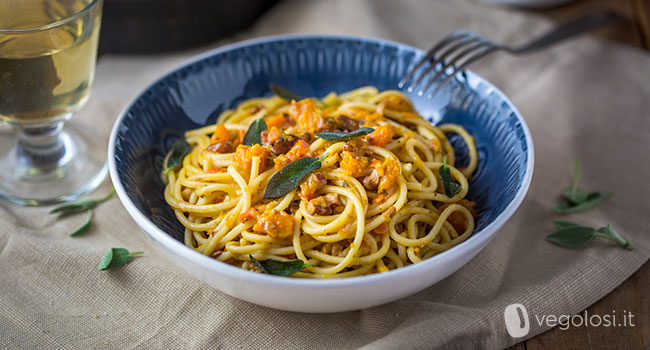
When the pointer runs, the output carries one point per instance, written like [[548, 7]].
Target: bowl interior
[[195, 94]]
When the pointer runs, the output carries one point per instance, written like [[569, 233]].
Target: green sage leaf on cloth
[[578, 199], [572, 235], [115, 258], [81, 206], [85, 227]]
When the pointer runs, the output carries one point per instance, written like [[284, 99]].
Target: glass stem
[[41, 150]]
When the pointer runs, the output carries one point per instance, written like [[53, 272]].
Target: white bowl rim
[[231, 271]]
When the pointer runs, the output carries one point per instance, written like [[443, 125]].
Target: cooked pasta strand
[[377, 203]]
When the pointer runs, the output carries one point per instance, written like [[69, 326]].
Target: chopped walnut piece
[[282, 146], [324, 205], [371, 182], [348, 124], [221, 147]]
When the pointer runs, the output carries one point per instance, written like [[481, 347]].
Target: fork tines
[[449, 56]]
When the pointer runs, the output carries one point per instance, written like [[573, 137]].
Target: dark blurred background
[[153, 26]]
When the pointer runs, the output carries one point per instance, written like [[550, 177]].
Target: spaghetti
[[377, 202]]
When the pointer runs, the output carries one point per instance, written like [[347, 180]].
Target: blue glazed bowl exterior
[[197, 92]]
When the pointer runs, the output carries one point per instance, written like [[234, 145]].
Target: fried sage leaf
[[116, 257], [289, 177], [342, 136], [290, 95], [285, 93], [254, 133], [450, 186], [179, 150], [280, 268]]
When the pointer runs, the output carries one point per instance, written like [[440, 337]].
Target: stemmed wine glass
[[48, 50]]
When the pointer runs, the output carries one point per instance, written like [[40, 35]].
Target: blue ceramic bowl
[[194, 94]]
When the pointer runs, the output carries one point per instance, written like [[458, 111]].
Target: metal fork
[[462, 48]]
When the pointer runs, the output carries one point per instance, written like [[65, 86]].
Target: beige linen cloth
[[585, 98]]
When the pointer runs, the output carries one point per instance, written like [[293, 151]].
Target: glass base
[[78, 171]]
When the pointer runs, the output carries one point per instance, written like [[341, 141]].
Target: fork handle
[[579, 25]]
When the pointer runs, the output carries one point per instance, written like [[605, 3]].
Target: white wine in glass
[[48, 50]]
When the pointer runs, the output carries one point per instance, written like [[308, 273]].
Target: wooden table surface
[[634, 294]]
